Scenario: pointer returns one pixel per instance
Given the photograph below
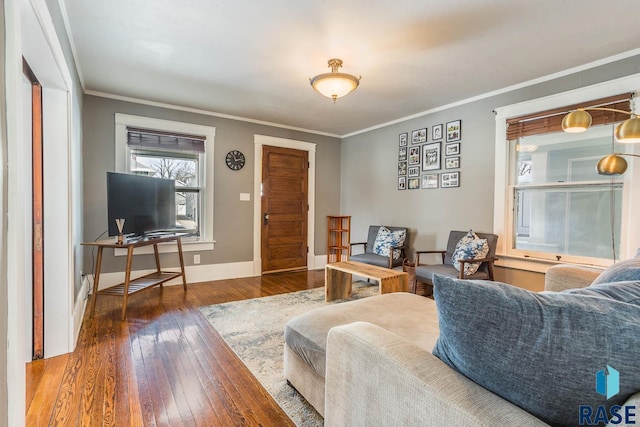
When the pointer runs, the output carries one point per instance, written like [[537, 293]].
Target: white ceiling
[[253, 58]]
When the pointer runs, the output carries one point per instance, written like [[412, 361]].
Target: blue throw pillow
[[387, 239], [621, 271], [540, 351], [628, 292], [469, 247]]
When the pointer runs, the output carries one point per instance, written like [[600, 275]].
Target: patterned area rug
[[254, 329]]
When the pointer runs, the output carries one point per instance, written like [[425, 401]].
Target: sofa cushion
[[470, 246], [628, 269], [540, 351], [386, 239], [424, 273], [628, 292], [372, 259], [306, 334]]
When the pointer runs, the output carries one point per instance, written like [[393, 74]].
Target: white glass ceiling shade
[[335, 85]]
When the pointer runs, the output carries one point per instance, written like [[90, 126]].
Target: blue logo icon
[[608, 382]]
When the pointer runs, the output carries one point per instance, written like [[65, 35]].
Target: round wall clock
[[235, 160]]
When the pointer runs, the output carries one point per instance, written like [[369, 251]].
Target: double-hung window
[[174, 150], [561, 206], [172, 156], [550, 204]]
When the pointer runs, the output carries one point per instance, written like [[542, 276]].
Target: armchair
[[369, 257], [425, 272]]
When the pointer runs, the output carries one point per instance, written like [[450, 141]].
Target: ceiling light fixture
[[335, 85]]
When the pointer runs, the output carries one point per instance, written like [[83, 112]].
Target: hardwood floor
[[163, 366]]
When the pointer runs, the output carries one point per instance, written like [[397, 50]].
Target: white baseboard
[[78, 312], [198, 273], [321, 262], [194, 273]]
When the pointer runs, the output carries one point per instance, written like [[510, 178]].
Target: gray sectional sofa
[[369, 363]]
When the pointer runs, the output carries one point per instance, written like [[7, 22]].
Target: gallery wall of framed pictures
[[433, 162]]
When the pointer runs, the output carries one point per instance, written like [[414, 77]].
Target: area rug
[[254, 329]]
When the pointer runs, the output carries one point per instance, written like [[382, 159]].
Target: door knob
[[266, 219]]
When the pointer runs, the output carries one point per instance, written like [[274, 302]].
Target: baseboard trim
[[196, 273], [78, 312]]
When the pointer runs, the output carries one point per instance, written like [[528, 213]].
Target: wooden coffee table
[[337, 278]]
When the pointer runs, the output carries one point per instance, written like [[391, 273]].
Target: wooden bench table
[[338, 278]]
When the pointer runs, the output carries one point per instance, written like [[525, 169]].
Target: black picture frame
[[454, 130], [430, 180], [413, 171], [403, 138], [402, 168], [449, 179], [402, 183], [452, 149], [413, 183], [452, 162], [436, 132], [431, 156], [402, 154], [414, 155], [419, 136]]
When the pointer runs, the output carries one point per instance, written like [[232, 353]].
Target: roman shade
[[154, 139]]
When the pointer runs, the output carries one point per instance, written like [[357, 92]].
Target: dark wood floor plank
[[128, 382], [162, 366], [149, 394], [170, 347], [187, 379], [156, 372], [68, 401], [245, 404], [213, 389], [243, 381], [109, 372]]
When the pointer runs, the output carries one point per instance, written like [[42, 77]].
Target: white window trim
[[502, 212], [122, 121]]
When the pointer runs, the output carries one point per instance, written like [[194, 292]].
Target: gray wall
[[233, 219], [370, 193]]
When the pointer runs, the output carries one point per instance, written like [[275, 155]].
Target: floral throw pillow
[[386, 239], [470, 246]]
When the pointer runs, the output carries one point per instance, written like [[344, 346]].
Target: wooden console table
[[132, 286], [338, 279]]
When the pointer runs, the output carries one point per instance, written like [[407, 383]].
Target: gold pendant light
[[576, 121], [627, 132]]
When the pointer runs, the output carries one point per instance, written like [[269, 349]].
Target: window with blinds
[[173, 156], [560, 206], [550, 121]]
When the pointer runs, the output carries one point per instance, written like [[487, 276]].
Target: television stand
[[148, 281]]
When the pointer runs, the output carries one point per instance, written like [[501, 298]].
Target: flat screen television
[[147, 204]]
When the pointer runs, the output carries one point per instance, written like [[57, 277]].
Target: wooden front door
[[285, 209]]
